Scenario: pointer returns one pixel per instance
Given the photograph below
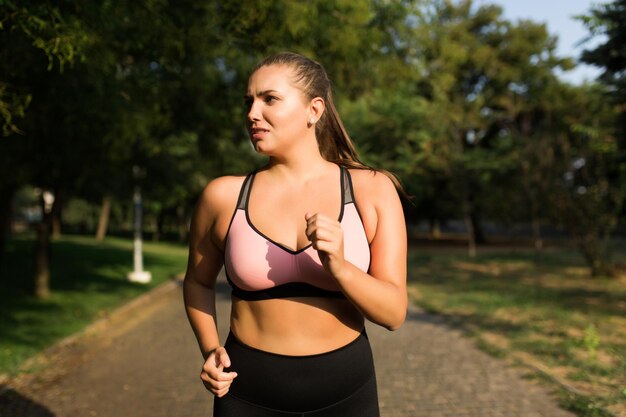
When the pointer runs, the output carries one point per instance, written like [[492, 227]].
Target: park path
[[145, 362]]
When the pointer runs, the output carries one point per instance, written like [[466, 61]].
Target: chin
[[261, 148]]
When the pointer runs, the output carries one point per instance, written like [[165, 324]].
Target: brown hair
[[332, 138]]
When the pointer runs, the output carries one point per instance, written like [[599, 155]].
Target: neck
[[300, 162]]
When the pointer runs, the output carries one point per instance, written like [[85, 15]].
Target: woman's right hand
[[213, 376]]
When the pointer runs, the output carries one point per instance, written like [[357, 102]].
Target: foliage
[[28, 30], [609, 19]]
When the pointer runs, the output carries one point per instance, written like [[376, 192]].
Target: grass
[[547, 313], [88, 280]]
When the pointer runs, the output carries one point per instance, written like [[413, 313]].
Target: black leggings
[[339, 383]]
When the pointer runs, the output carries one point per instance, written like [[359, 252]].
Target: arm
[[203, 266], [204, 263], [380, 294]]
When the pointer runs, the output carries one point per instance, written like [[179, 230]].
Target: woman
[[305, 264]]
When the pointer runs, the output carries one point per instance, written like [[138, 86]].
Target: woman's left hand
[[326, 236]]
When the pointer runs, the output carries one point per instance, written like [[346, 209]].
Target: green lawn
[[547, 313], [88, 280]]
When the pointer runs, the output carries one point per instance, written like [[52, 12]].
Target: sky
[[558, 17]]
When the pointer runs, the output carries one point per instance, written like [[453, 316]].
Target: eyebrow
[[260, 94]]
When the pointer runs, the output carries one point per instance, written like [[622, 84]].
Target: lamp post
[[138, 274]]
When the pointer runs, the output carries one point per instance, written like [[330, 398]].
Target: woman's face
[[277, 110]]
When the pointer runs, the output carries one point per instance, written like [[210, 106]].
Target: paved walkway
[[146, 363]]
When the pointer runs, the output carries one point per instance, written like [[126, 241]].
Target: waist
[[296, 326], [299, 383]]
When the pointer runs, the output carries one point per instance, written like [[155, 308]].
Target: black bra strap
[[244, 194], [346, 182]]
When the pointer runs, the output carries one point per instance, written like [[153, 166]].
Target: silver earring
[[311, 121]]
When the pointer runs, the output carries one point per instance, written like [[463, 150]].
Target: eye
[[248, 102], [270, 99]]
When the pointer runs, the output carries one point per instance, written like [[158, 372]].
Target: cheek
[[290, 118]]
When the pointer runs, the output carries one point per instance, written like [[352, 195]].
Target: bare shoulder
[[372, 186], [221, 192], [217, 202], [376, 197]]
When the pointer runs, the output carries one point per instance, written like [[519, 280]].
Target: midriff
[[296, 326]]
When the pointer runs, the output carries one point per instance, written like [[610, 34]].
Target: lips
[[258, 132]]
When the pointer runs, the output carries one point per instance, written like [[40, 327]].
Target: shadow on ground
[[14, 404]]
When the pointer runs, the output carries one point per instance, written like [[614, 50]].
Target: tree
[[38, 39], [609, 20], [443, 122]]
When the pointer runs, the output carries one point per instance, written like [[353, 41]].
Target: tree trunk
[[42, 254], [57, 213], [156, 232], [479, 235], [598, 257], [537, 236], [6, 213], [158, 225], [471, 237], [103, 221], [470, 223], [435, 228]]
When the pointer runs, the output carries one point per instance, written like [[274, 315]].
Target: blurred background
[[516, 168]]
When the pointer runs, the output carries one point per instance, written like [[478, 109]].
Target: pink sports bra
[[257, 268]]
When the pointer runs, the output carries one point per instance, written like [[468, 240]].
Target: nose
[[253, 112]]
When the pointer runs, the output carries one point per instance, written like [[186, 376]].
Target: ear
[[316, 109]]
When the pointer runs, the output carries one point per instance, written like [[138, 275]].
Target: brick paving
[[146, 363]]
